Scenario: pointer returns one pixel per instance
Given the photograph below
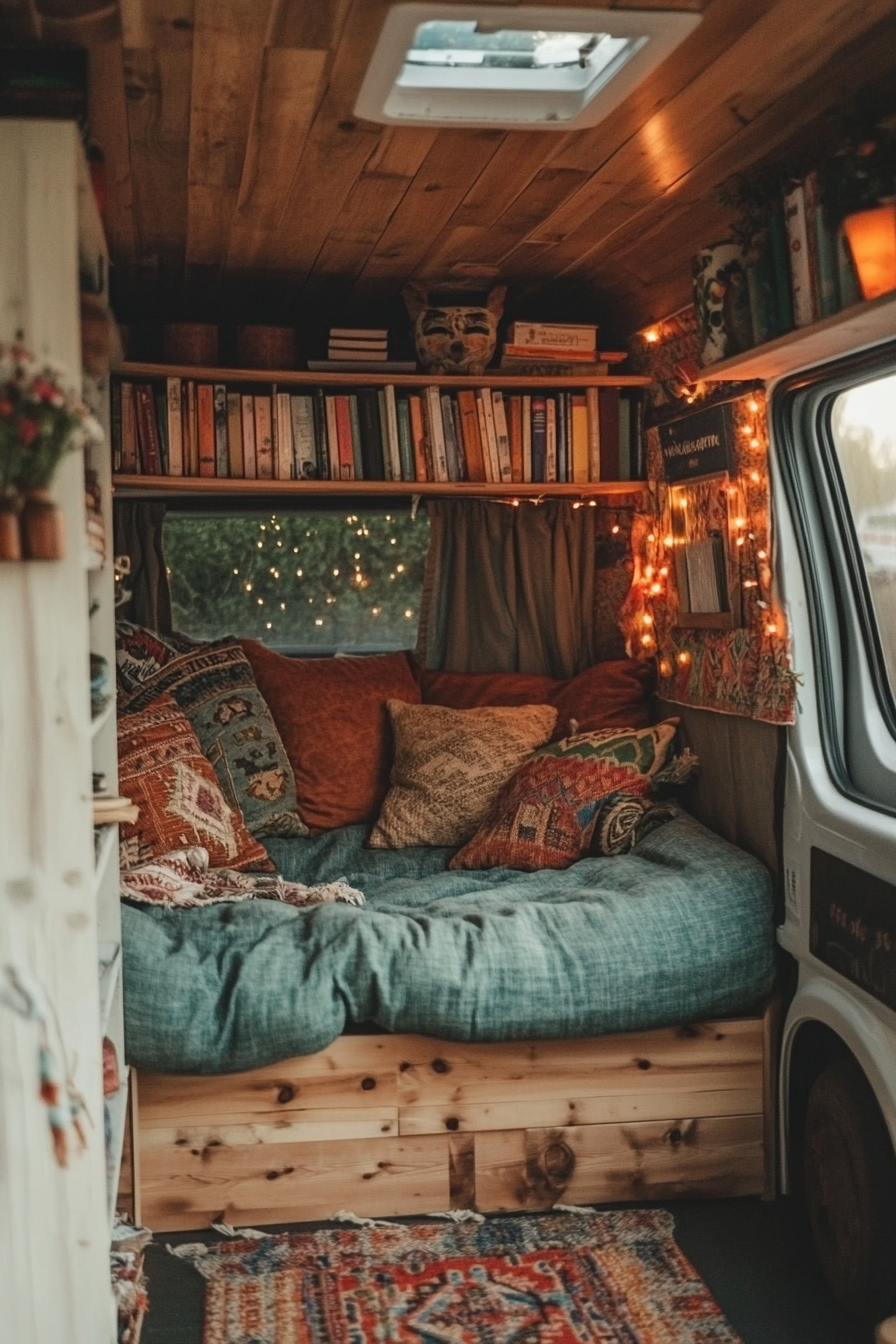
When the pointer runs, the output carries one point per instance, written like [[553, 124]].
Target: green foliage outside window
[[299, 580]]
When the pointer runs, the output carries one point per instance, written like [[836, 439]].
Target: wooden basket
[[191, 343], [262, 347]]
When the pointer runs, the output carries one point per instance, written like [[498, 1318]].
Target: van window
[[863, 433], [300, 581]]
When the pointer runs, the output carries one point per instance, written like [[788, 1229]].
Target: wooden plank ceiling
[[232, 149]]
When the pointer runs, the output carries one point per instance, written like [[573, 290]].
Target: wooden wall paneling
[[229, 39], [109, 128], [157, 92], [289, 92]]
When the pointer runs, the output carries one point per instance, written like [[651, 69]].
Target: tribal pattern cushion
[[214, 686], [450, 765], [140, 653], [161, 768], [623, 820], [644, 749]]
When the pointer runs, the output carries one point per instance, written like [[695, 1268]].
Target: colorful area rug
[[602, 1278]]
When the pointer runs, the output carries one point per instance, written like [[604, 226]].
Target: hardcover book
[[235, 436], [175, 428], [222, 462], [264, 444], [250, 467]]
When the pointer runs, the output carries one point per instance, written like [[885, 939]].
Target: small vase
[[43, 526], [10, 532]]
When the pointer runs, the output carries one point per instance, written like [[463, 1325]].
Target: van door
[[835, 498]]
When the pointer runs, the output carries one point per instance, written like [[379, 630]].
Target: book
[[357, 349], [161, 400], [384, 434], [405, 442], [625, 439], [459, 440], [115, 422], [357, 342], [550, 440], [591, 402], [561, 437], [147, 430], [358, 356], [436, 433], [450, 444], [205, 418], [333, 470], [319, 408], [515, 430], [489, 438], [264, 443], [221, 452], [561, 368], [526, 425], [554, 335], [274, 450], [345, 445], [798, 250], [371, 439], [357, 458], [359, 333], [304, 450], [191, 428], [235, 464], [247, 406], [639, 441], [392, 433], [546, 353], [130, 460], [502, 438], [539, 439], [418, 441], [826, 261], [175, 427], [285, 448], [608, 415], [469, 419], [847, 279], [777, 234], [579, 436]]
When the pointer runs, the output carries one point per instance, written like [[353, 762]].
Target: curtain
[[508, 589], [138, 533]]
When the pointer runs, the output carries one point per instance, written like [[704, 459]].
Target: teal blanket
[[680, 929]]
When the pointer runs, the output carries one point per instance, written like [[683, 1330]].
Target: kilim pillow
[[162, 769], [450, 765], [139, 653], [214, 686]]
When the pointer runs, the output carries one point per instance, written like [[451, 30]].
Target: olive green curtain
[[138, 533], [508, 589]]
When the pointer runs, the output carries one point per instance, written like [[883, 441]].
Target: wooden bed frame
[[394, 1124]]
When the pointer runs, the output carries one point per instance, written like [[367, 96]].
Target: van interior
[[448, 694]]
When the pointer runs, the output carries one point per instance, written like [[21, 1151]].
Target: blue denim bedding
[[677, 930]]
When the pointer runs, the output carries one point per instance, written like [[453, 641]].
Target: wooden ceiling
[[232, 150]]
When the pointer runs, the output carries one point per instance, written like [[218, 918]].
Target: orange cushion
[[161, 768], [607, 695], [331, 715]]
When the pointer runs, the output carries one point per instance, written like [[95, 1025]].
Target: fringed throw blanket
[[183, 878]]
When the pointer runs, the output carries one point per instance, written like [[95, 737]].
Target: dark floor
[[753, 1256]]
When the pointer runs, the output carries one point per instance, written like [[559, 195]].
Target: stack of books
[[359, 350], [553, 348]]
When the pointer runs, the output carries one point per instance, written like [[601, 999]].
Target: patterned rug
[[601, 1278]]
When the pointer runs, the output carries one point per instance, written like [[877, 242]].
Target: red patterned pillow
[[161, 768], [546, 815]]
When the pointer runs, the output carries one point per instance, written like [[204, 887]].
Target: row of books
[[186, 428]]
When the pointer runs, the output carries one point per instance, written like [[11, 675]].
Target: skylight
[[481, 65]]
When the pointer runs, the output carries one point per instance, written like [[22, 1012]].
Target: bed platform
[[387, 1125]]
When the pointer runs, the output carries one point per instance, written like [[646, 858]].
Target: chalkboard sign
[[699, 444]]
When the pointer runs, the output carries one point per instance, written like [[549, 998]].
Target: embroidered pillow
[[623, 819], [139, 653], [214, 686], [546, 815], [644, 749], [162, 769], [450, 765]]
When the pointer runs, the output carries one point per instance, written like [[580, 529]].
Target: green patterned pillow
[[644, 749]]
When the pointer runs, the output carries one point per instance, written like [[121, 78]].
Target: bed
[[486, 1040]]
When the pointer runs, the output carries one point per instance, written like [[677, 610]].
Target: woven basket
[[191, 343], [262, 347]]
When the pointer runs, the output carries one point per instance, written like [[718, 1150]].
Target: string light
[[684, 658], [753, 405]]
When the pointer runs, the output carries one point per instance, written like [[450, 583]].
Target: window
[[299, 581]]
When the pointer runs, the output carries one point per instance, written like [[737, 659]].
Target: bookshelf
[[861, 325], [147, 487], [300, 378]]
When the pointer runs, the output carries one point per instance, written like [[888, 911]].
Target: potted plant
[[858, 182], [39, 423]]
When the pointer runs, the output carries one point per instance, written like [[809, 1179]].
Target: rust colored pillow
[[331, 714], [162, 769], [607, 695]]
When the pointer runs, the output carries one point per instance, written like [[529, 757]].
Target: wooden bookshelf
[[861, 325], [302, 378], [147, 487]]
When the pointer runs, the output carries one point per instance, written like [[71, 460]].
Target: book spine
[[219, 399], [283, 439], [539, 439], [205, 410], [247, 405], [515, 430], [332, 439], [608, 410], [234, 436], [303, 445], [384, 435], [161, 400], [491, 438], [561, 438], [526, 430], [355, 424], [344, 438], [129, 459], [115, 425], [777, 233], [826, 254], [174, 399], [147, 431], [625, 439], [639, 441], [847, 279], [275, 458], [469, 418], [418, 441], [812, 197], [319, 407], [191, 427], [579, 420], [436, 434], [264, 443], [459, 440], [553, 336], [448, 432], [550, 440], [405, 444], [563, 354], [591, 401], [798, 247], [763, 303], [392, 432], [502, 438]]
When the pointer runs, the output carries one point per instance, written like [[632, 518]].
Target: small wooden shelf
[[197, 486], [863, 324], [302, 378]]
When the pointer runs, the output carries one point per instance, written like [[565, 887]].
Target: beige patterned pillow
[[450, 765]]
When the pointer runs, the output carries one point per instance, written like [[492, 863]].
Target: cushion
[[214, 686], [450, 766], [607, 695], [139, 653], [161, 768], [623, 820], [331, 713], [546, 815]]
